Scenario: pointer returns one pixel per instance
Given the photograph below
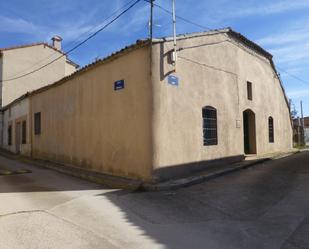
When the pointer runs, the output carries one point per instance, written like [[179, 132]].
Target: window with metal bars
[[10, 135], [271, 130], [210, 136], [249, 90], [37, 123], [24, 132]]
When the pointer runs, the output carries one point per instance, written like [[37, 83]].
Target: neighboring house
[[16, 62], [301, 136], [16, 127], [306, 130], [300, 133], [18, 67], [132, 115]]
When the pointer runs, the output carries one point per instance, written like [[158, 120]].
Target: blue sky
[[281, 27]]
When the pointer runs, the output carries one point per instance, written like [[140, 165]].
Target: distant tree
[[293, 110]]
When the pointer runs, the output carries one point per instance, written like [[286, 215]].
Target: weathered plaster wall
[[17, 113], [214, 72], [69, 69], [19, 61], [88, 124], [307, 136]]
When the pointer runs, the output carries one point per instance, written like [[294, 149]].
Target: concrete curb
[[92, 176], [124, 183], [203, 177], [97, 177], [192, 180]]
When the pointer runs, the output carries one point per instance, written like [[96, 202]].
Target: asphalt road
[[266, 206]]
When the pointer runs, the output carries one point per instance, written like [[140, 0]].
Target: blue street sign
[[118, 85], [173, 80]]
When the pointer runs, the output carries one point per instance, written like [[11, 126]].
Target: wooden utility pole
[[302, 122], [299, 132], [174, 35], [151, 21]]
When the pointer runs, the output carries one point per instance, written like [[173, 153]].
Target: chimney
[[57, 42]]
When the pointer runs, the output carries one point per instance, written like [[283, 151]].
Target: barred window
[[210, 136], [249, 90], [24, 132], [10, 135], [37, 123], [271, 130]]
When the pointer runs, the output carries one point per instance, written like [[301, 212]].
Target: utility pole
[[302, 114], [298, 132], [174, 34], [151, 21], [302, 122]]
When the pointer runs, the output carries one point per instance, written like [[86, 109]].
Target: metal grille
[[37, 123], [271, 130], [210, 136], [10, 135], [24, 132], [249, 90]]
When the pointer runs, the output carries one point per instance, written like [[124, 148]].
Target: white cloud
[[298, 36], [298, 93], [17, 25], [291, 53], [289, 45], [272, 8]]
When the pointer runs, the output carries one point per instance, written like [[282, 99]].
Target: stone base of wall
[[177, 171]]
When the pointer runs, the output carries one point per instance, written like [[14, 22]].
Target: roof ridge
[[24, 46]]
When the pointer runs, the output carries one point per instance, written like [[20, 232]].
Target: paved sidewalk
[[213, 172], [119, 182], [263, 207]]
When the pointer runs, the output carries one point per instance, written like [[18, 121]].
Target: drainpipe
[[30, 125]]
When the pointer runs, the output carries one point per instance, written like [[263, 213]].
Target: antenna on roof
[[174, 53], [151, 21]]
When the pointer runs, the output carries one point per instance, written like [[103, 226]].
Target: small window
[[10, 135], [271, 130], [37, 123], [210, 126], [24, 132], [249, 90]]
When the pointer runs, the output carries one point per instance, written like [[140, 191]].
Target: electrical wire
[[204, 27], [293, 76], [179, 17], [76, 40], [78, 45]]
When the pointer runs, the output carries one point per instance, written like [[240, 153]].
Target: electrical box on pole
[[174, 53]]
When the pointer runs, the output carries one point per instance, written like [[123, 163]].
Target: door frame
[[249, 132]]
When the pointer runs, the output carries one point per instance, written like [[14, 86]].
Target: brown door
[[249, 132], [18, 137]]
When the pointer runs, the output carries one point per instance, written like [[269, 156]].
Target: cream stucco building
[[22, 69], [18, 67], [132, 115]]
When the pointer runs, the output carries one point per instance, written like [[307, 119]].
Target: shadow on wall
[[176, 171]]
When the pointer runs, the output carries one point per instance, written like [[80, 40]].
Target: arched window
[[271, 130], [210, 136]]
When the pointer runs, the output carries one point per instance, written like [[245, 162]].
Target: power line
[[206, 65], [204, 27], [293, 76], [179, 17], [76, 40], [78, 45]]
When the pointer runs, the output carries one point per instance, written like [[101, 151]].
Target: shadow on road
[[252, 208]]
